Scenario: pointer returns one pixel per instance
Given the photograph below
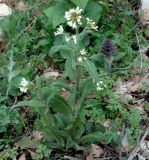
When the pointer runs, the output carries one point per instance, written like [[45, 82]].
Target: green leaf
[[84, 38], [63, 48], [43, 42], [111, 136], [27, 142], [93, 137], [15, 81], [56, 13], [66, 53], [70, 71], [36, 104], [118, 56], [93, 11], [86, 88], [90, 67], [81, 3], [79, 127], [3, 98], [60, 105], [32, 103], [69, 65]]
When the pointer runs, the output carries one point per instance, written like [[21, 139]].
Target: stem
[[77, 84], [108, 63], [77, 81]]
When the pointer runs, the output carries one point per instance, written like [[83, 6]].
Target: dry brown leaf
[[123, 88], [132, 85], [138, 83], [22, 157], [20, 5], [51, 74], [32, 153], [37, 135], [96, 152], [107, 123], [65, 94], [126, 146]]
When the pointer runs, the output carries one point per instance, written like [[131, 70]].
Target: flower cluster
[[82, 56], [60, 30], [24, 85], [90, 24], [72, 38], [73, 17], [100, 86]]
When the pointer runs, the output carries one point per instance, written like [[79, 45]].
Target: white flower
[[82, 55], [97, 84], [59, 31], [99, 88], [68, 39], [84, 58], [73, 17], [80, 59], [91, 24], [72, 38], [24, 85], [83, 52], [101, 82]]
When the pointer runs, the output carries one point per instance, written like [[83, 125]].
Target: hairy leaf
[[90, 67], [58, 48], [60, 105], [93, 11], [80, 3], [93, 137], [56, 13]]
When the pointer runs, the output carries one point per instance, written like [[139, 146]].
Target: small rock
[[4, 10], [145, 4]]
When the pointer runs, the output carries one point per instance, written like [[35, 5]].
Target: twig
[[72, 158], [134, 152], [104, 158]]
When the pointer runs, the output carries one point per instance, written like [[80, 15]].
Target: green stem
[[77, 84], [108, 63], [77, 88]]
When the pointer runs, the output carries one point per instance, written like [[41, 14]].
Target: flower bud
[[108, 48]]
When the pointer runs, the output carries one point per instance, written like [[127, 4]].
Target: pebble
[[4, 10]]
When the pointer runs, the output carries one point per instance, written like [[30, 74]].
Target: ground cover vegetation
[[73, 74]]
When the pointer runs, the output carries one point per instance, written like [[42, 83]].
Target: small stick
[[72, 158], [134, 152]]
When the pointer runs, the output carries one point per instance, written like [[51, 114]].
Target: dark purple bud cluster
[[108, 48]]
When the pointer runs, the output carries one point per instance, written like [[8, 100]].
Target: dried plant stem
[[134, 152]]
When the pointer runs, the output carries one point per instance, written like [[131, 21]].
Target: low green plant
[[64, 128], [42, 152], [8, 153], [79, 107], [79, 121]]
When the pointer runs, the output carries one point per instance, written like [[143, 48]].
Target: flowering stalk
[[108, 48], [77, 81]]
